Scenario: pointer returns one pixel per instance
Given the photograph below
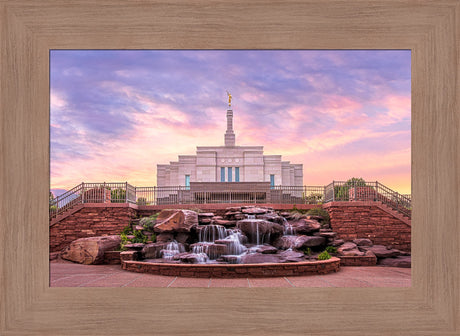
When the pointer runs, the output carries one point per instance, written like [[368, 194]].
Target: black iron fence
[[123, 192]]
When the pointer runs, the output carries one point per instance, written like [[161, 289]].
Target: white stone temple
[[229, 163]]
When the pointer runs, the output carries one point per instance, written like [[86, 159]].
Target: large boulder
[[165, 237], [90, 250], [312, 241], [298, 242], [287, 242], [363, 242], [213, 251], [259, 230], [153, 250], [305, 226], [381, 251], [260, 258], [176, 221], [254, 210], [349, 249], [401, 261], [292, 256]]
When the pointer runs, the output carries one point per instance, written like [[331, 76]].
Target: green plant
[[141, 201], [320, 212], [324, 256], [126, 230], [124, 241], [314, 198], [139, 237], [153, 238], [149, 222], [331, 249], [341, 192], [306, 251], [118, 195]]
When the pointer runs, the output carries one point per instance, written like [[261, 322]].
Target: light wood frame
[[29, 29]]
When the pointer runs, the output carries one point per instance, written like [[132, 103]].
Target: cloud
[[116, 114]]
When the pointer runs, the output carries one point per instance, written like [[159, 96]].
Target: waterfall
[[200, 251], [289, 230], [171, 250], [256, 236], [235, 247], [211, 233]]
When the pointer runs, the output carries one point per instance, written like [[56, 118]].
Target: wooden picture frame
[[30, 29]]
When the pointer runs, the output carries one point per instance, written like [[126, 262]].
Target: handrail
[[123, 192]]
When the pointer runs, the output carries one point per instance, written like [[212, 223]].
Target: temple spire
[[229, 135]]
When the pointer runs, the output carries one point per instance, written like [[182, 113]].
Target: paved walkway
[[67, 274]]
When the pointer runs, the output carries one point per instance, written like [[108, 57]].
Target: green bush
[[320, 212], [313, 198], [149, 222], [306, 251], [141, 201], [139, 237], [331, 249], [341, 192], [118, 195], [324, 256]]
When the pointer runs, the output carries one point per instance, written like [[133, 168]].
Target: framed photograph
[[29, 306]]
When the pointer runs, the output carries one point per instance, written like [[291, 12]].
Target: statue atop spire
[[229, 98]]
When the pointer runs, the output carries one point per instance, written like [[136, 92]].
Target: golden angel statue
[[229, 98]]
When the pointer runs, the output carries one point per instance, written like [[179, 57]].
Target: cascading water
[[200, 251], [171, 250], [234, 246], [289, 230], [211, 233], [258, 237]]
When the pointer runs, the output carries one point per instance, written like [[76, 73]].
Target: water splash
[[201, 253], [171, 250], [289, 230]]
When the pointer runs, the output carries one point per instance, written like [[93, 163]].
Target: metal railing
[[340, 191], [123, 192]]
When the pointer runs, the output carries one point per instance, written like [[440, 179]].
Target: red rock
[[90, 250], [176, 221], [305, 226], [401, 261]]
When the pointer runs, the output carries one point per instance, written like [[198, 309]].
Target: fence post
[[354, 187], [103, 192], [83, 192], [333, 191], [126, 192]]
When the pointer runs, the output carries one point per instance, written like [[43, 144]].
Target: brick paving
[[67, 274]]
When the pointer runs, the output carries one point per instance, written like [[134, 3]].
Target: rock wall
[[353, 221], [90, 222]]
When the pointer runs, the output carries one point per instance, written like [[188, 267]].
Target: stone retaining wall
[[112, 258], [358, 260], [91, 221], [235, 270], [353, 220]]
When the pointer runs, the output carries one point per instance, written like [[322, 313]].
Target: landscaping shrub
[[341, 192], [331, 249], [324, 256], [149, 222], [320, 212], [141, 201]]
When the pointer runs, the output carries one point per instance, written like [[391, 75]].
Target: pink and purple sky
[[116, 114]]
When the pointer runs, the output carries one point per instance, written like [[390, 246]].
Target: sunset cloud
[[115, 115]]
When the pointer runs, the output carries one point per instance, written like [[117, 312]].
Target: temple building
[[229, 163]]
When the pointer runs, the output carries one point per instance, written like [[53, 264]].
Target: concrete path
[[67, 274]]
